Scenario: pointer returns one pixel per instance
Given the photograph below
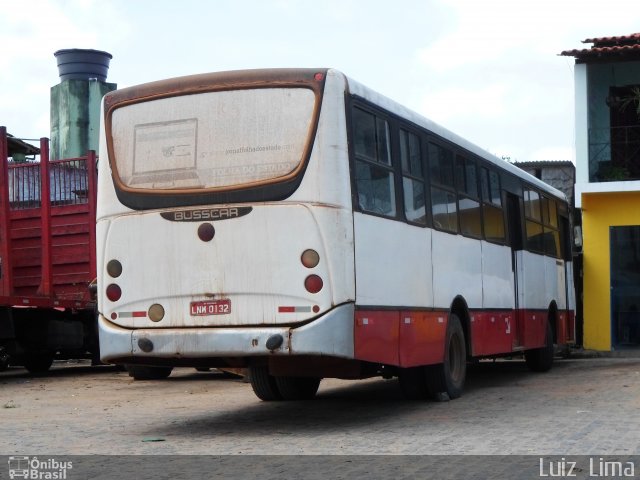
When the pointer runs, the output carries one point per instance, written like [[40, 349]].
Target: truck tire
[[4, 359], [147, 372], [36, 363]]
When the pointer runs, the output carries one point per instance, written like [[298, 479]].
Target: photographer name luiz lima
[[596, 467]]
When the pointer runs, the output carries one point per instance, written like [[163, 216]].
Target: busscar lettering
[[204, 214]]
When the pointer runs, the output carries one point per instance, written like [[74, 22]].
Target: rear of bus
[[224, 225]]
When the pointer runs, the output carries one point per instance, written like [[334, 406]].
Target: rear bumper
[[332, 334]]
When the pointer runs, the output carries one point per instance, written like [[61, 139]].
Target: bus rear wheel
[[263, 384], [448, 377], [541, 359], [147, 372], [297, 388]]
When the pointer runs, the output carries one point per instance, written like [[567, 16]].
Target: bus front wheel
[[448, 377]]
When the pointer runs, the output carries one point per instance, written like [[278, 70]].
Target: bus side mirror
[[577, 236]]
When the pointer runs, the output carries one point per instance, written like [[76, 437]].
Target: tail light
[[114, 268], [313, 284], [310, 258], [114, 292]]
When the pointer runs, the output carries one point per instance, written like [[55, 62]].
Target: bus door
[[514, 227]]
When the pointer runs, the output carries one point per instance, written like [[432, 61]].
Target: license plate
[[211, 307]]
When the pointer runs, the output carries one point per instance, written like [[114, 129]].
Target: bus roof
[[356, 88], [200, 82]]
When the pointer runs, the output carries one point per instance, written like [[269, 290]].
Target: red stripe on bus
[[422, 338], [413, 338], [401, 338], [286, 309]]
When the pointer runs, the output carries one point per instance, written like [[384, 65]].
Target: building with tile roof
[[607, 141], [560, 174]]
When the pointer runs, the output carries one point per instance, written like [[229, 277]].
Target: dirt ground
[[583, 406]]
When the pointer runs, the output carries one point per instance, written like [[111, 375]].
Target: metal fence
[[68, 180], [614, 153]]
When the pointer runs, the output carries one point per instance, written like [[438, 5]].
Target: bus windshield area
[[212, 140]]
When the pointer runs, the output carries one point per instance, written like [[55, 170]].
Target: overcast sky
[[488, 70]]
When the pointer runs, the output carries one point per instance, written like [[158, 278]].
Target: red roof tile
[[610, 41], [627, 46]]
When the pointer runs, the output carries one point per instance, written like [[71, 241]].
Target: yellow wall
[[599, 212]]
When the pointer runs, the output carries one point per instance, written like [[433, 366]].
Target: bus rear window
[[213, 140]]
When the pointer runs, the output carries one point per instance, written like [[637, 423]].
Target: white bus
[[298, 224]]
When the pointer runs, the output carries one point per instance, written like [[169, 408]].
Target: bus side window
[[375, 182], [552, 243], [444, 204], [533, 221], [444, 208], [364, 134], [541, 222], [412, 178], [468, 204], [492, 212]]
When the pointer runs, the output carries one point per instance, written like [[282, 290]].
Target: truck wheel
[[541, 359], [449, 376], [263, 384], [4, 359], [38, 362], [147, 372], [297, 388], [413, 383]]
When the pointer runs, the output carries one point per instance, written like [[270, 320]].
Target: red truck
[[47, 256]]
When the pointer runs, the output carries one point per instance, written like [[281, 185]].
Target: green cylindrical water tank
[[75, 101]]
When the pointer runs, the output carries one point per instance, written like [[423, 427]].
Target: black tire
[[263, 384], [449, 376], [413, 383], [297, 388], [147, 372], [541, 359], [4, 359], [36, 363]]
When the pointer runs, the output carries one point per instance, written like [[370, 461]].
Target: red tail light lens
[[313, 284], [114, 292]]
